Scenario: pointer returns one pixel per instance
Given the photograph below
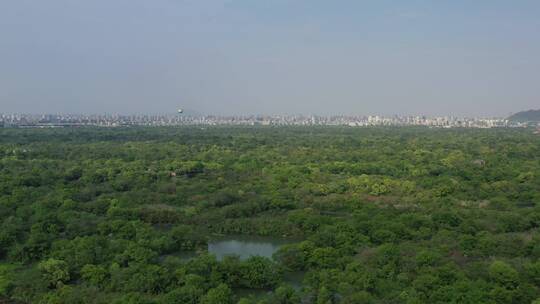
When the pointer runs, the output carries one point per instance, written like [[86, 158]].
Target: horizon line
[[196, 114]]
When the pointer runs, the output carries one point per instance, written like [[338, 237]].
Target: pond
[[246, 246]]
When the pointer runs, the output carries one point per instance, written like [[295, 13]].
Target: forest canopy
[[376, 215]]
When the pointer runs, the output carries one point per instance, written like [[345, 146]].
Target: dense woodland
[[381, 215]]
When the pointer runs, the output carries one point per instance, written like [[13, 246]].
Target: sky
[[447, 57]]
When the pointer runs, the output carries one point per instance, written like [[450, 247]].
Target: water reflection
[[246, 246]]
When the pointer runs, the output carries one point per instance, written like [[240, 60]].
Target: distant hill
[[531, 115]]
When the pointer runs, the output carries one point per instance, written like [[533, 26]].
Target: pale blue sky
[[431, 57]]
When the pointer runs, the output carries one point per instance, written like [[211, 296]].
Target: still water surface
[[246, 246]]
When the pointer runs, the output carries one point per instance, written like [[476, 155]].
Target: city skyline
[[104, 120]]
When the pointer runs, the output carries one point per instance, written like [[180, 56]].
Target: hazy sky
[[459, 57]]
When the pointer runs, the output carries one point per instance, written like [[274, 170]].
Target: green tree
[[95, 275], [285, 294], [504, 274], [325, 296], [222, 294], [55, 272], [260, 272]]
